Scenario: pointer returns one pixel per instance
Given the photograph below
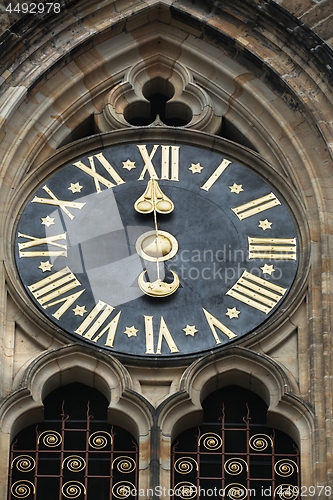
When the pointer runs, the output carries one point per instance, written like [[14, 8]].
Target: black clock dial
[[156, 249]]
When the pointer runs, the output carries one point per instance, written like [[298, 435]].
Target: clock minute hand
[[154, 200]]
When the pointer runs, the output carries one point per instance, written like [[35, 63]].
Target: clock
[[157, 248]]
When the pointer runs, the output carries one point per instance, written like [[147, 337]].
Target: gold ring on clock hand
[[156, 246]]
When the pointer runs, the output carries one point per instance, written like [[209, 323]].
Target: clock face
[[156, 250]]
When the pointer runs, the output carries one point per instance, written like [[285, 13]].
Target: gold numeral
[[257, 292], [216, 174], [53, 200], [256, 206], [169, 162], [53, 287], [95, 320], [215, 323], [164, 333], [272, 248], [49, 241], [99, 179]]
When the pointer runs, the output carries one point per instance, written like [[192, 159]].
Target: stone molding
[[180, 411], [65, 365], [253, 371]]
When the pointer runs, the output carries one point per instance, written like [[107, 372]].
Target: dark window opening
[[84, 129], [158, 92], [233, 454], [229, 131], [74, 453]]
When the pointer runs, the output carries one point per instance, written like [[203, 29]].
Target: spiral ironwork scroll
[[235, 491], [74, 463], [235, 466], [51, 439], [124, 464], [23, 463], [22, 489], [73, 489], [260, 442], [286, 492], [99, 440], [185, 465], [210, 441], [185, 490], [123, 489], [285, 467]]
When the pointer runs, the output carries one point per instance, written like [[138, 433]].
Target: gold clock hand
[[154, 183], [144, 204], [154, 200]]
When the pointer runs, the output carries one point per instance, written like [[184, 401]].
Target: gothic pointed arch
[[74, 450], [253, 371], [70, 364]]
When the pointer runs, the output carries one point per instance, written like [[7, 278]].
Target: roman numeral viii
[[51, 291], [257, 292]]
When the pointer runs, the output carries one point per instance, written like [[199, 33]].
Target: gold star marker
[[47, 221], [232, 313], [265, 224], [196, 168], [236, 188], [130, 331], [79, 310], [45, 266], [129, 164], [75, 188], [266, 269], [190, 330]]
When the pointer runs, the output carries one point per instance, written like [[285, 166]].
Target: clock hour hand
[[153, 200], [164, 245]]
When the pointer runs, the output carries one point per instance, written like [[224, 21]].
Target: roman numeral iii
[[272, 248]]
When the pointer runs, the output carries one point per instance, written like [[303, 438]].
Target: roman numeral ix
[[49, 241]]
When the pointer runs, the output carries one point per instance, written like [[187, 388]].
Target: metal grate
[[75, 458], [235, 460]]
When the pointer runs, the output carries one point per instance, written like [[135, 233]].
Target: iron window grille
[[74, 456], [235, 458]]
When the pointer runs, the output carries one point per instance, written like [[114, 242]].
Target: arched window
[[74, 453], [233, 454]]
